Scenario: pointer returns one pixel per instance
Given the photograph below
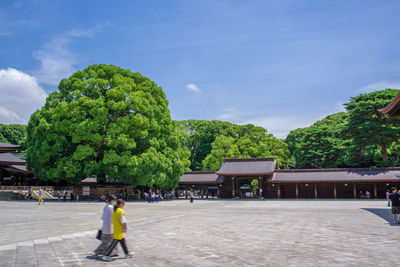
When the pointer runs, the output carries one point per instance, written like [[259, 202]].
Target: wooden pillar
[[297, 190], [334, 190], [207, 192], [186, 191], [202, 191], [279, 191], [315, 191], [233, 187], [260, 187], [354, 190], [375, 191], [218, 191]]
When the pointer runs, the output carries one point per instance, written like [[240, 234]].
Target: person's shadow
[[385, 214]]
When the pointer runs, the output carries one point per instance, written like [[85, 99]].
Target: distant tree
[[369, 129], [200, 134], [108, 122], [13, 133], [251, 142], [322, 145]]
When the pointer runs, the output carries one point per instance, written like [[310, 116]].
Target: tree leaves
[[107, 122]]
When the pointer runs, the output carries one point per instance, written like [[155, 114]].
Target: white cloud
[[20, 96], [193, 87], [229, 114], [281, 126], [379, 86], [56, 58]]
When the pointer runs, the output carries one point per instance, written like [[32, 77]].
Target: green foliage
[[13, 133], [198, 135], [109, 122], [250, 142], [371, 131], [322, 145]]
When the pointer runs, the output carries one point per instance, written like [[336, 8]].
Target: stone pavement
[[206, 233]]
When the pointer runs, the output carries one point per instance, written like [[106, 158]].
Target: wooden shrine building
[[259, 178], [12, 168]]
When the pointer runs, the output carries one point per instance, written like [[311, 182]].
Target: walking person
[[65, 195], [29, 193], [191, 196], [107, 229], [40, 197], [120, 227], [395, 199], [387, 197], [58, 195]]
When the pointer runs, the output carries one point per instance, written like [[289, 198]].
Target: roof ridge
[[339, 169], [249, 159]]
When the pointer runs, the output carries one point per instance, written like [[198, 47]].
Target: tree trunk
[[384, 152]]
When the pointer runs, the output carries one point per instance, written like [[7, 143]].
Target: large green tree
[[108, 122], [370, 129], [250, 142], [322, 145]]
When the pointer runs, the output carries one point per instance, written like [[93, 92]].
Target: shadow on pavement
[[385, 214]]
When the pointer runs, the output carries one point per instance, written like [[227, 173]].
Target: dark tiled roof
[[8, 147], [16, 168], [393, 108], [89, 180], [253, 166], [200, 177], [339, 175], [10, 159]]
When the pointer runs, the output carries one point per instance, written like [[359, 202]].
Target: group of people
[[67, 195], [367, 195], [394, 199], [113, 229]]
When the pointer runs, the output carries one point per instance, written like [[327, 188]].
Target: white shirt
[[107, 219]]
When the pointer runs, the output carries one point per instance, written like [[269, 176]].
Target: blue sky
[[278, 64]]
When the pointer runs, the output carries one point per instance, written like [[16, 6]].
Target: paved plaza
[[206, 233]]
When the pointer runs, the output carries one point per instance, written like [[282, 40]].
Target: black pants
[[191, 199], [114, 244]]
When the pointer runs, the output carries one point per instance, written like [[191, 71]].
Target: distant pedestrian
[[96, 196], [387, 197], [40, 196], [29, 193], [191, 196], [360, 195], [395, 199], [58, 195], [72, 196], [107, 229], [126, 195], [77, 198], [65, 195], [119, 228], [367, 195], [20, 194]]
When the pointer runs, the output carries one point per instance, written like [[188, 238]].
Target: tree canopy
[[13, 133], [322, 145], [200, 134], [250, 142], [360, 137], [369, 129], [108, 122]]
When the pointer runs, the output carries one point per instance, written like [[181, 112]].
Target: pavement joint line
[[11, 246]]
